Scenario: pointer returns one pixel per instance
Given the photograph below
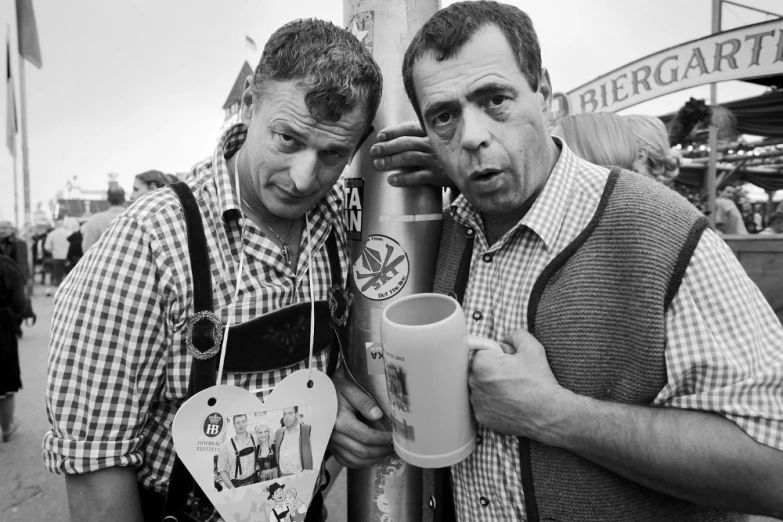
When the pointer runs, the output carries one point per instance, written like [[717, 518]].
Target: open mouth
[[484, 175]]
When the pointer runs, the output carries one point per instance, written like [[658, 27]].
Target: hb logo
[[213, 425]]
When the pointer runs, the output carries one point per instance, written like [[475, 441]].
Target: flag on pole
[[27, 32], [11, 125], [251, 44]]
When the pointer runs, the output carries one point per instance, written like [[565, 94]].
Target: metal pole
[[25, 163], [393, 238], [16, 190], [712, 167]]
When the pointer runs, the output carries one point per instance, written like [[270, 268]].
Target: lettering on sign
[[751, 51], [353, 198], [382, 269]]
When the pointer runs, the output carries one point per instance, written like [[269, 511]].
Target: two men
[[643, 391], [292, 441]]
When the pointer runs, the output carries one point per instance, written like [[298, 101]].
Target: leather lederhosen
[[244, 452], [276, 340]]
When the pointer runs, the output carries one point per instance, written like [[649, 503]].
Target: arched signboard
[[752, 51]]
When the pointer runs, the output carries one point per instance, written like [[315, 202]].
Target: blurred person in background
[[75, 252], [13, 247], [728, 218], [12, 304], [654, 156], [57, 245], [16, 250], [775, 224], [41, 258], [149, 181], [754, 221], [97, 224]]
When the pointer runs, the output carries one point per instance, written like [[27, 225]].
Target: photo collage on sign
[[265, 447]]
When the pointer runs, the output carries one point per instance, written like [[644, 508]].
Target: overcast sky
[[128, 86]]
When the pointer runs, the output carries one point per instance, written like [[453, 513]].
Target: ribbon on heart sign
[[257, 460]]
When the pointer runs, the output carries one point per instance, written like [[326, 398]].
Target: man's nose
[[303, 171], [475, 133]]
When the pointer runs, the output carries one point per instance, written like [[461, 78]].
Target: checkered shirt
[[118, 366], [227, 457], [724, 344]]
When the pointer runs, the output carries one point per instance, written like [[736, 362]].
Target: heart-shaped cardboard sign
[[258, 461]]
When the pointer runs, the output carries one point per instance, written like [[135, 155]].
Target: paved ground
[[28, 493]]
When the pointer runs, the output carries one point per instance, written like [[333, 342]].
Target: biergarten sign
[[752, 51]]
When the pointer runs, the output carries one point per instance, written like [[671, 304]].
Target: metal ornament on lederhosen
[[273, 341]]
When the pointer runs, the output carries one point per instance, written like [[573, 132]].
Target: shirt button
[[483, 501], [478, 316], [487, 258], [469, 232]]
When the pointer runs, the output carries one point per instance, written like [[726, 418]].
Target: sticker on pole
[[382, 269]]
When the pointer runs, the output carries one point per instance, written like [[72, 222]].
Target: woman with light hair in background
[[636, 142], [654, 155], [147, 182], [603, 138], [266, 456]]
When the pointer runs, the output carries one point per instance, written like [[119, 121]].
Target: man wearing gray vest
[[641, 373]]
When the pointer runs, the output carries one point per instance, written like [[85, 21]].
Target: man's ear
[[246, 104], [545, 89], [364, 137]]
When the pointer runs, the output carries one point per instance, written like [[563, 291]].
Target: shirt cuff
[[74, 457]]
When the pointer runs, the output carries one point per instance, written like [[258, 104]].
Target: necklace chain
[[286, 249]]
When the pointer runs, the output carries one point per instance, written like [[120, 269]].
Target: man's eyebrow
[[487, 90], [440, 106]]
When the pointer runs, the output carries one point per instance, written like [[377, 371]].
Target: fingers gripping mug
[[425, 353]]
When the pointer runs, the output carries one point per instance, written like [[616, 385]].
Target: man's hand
[[406, 146], [514, 392], [353, 443]]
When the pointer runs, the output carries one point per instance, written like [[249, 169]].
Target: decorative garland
[[693, 113]]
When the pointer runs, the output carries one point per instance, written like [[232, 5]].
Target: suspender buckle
[[217, 335]]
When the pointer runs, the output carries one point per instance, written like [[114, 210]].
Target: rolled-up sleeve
[[107, 352], [724, 350]]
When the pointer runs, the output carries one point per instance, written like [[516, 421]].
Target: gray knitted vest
[[598, 308]]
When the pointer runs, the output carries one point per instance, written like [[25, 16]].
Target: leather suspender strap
[[201, 336], [339, 303], [334, 260]]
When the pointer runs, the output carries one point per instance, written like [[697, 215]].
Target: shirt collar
[[546, 215], [228, 145]]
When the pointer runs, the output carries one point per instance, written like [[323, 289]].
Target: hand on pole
[[354, 444], [406, 146]]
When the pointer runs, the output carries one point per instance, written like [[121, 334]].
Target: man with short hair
[[119, 360], [237, 457], [292, 441], [651, 390], [99, 223]]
